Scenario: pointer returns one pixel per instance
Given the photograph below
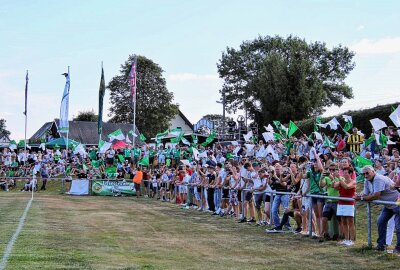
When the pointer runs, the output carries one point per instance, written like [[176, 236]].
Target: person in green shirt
[[137, 153], [330, 206], [127, 154], [177, 154], [314, 176]]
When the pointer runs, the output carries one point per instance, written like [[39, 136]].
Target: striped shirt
[[354, 138]]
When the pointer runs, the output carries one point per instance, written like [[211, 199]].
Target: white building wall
[[179, 122]]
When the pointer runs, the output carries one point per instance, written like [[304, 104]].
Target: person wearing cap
[[379, 187]]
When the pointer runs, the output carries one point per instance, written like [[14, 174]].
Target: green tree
[[3, 129], [154, 107], [89, 116], [284, 79]]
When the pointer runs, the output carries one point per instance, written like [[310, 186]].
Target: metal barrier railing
[[203, 189]]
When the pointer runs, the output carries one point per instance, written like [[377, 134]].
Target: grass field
[[65, 232]]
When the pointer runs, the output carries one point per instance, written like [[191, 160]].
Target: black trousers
[[210, 199]]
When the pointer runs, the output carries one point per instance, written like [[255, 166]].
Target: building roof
[[86, 132], [187, 122]]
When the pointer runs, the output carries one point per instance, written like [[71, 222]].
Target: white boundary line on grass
[[10, 244]]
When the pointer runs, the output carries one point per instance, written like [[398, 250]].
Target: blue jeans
[[383, 219], [217, 198], [278, 200]]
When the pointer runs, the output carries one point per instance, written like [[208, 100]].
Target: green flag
[[277, 136], [209, 139], [121, 158], [318, 120], [292, 129], [111, 172], [328, 143], [161, 136], [195, 139], [116, 135], [348, 126], [369, 140], [176, 131], [178, 138], [142, 137], [360, 162], [102, 90], [144, 161], [383, 139], [95, 163]]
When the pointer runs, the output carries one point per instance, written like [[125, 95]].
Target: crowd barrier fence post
[[369, 226]]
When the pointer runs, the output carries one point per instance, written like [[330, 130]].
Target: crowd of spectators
[[236, 180]]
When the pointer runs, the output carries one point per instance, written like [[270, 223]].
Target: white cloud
[[381, 46], [192, 77], [360, 27]]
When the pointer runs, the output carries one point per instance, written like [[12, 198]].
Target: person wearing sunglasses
[[379, 187]]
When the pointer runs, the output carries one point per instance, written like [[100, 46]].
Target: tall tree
[[3, 129], [284, 79], [89, 116], [154, 107]]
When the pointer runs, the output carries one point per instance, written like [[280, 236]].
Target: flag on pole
[[318, 136], [377, 124], [269, 128], [317, 121], [369, 140], [145, 161], [102, 90], [12, 145], [64, 124], [142, 137], [395, 116], [132, 79], [333, 124], [104, 146], [292, 128], [176, 131], [328, 143], [116, 135], [248, 136], [383, 140], [349, 123], [26, 93], [131, 132], [127, 138], [195, 140], [209, 139], [161, 136], [268, 136]]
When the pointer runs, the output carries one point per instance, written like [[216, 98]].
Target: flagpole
[[26, 114], [102, 110], [134, 106], [67, 116]]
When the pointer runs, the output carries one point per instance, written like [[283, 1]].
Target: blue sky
[[186, 38]]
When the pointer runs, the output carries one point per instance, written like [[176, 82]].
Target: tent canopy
[[62, 142]]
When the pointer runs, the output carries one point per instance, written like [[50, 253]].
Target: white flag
[[333, 124], [203, 155], [64, 124], [318, 136], [377, 124], [269, 128], [395, 116], [127, 139], [248, 137], [236, 150], [347, 118], [185, 141], [249, 147], [104, 146], [195, 153], [268, 136], [42, 146]]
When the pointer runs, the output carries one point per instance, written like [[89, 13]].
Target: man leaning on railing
[[379, 187]]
